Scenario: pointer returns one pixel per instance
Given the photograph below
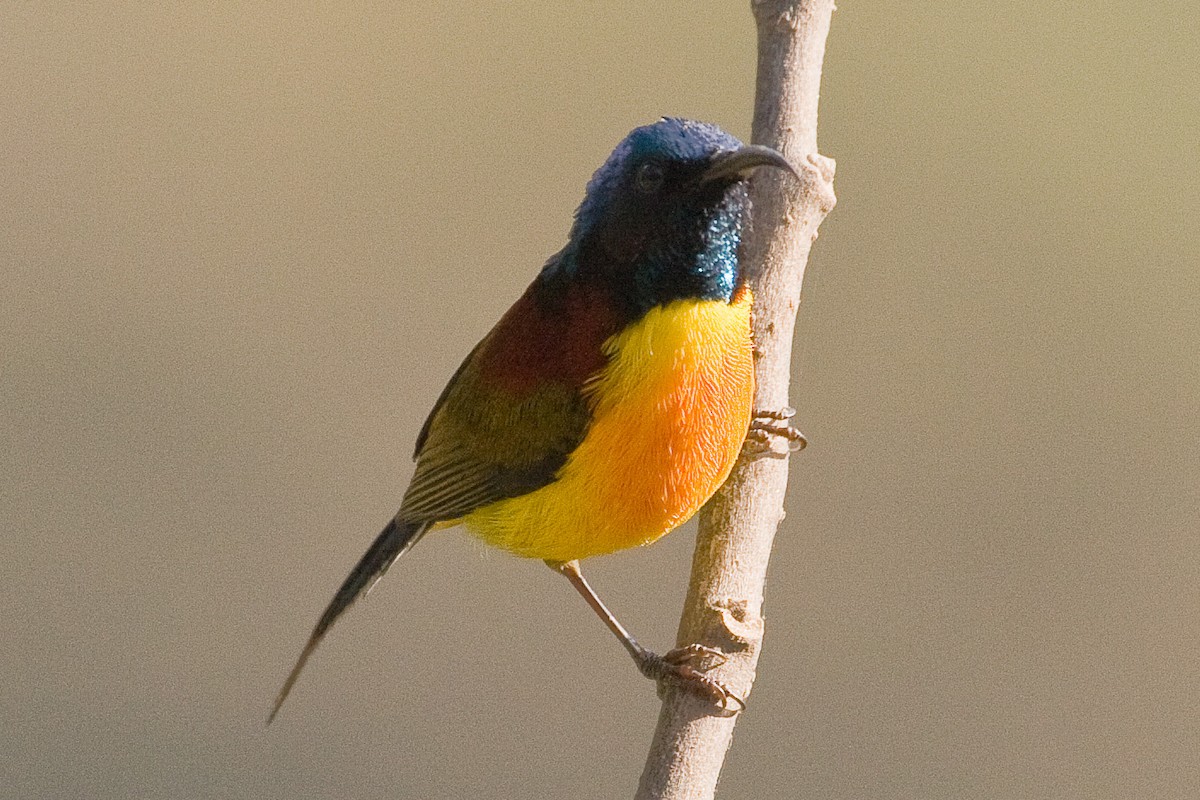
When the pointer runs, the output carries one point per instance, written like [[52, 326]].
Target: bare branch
[[724, 602]]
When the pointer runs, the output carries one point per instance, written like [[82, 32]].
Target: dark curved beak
[[737, 164]]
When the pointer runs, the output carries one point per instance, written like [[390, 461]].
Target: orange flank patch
[[670, 411]]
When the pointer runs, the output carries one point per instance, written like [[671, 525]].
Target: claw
[[787, 412], [766, 425], [686, 655], [676, 667]]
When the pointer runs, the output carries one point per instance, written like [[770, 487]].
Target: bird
[[610, 402]]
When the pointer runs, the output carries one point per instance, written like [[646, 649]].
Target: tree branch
[[724, 603]]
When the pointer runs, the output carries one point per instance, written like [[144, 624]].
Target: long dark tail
[[393, 542]]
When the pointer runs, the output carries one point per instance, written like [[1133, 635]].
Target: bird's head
[[663, 217]]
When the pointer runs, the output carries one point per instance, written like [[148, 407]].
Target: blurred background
[[243, 246]]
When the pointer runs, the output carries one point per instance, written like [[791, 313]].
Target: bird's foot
[[677, 666], [767, 427]]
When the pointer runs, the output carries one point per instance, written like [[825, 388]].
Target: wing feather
[[515, 408]]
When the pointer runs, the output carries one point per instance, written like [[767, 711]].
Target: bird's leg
[[675, 665], [765, 426]]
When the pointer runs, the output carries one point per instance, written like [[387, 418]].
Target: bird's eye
[[650, 177]]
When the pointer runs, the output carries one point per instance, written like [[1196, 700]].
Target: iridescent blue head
[[663, 218]]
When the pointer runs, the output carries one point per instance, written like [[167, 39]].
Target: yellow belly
[[670, 413]]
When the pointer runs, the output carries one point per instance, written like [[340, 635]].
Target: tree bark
[[724, 602]]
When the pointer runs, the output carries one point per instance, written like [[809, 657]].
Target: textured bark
[[737, 527]]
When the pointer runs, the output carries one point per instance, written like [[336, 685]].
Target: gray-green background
[[244, 245]]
